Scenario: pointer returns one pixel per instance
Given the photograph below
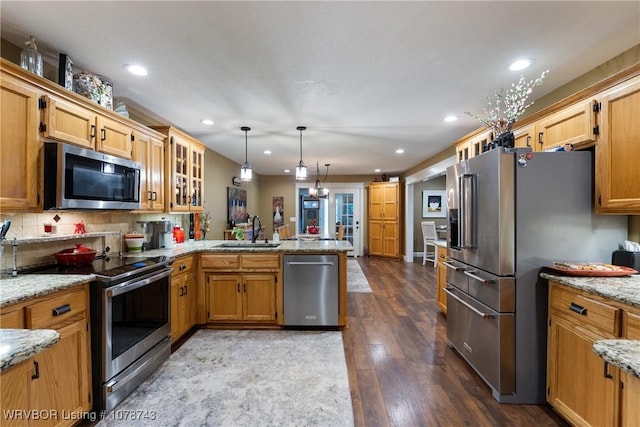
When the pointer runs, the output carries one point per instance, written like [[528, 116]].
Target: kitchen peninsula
[[25, 287]]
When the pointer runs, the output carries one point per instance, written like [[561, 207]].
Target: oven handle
[[470, 307], [136, 283]]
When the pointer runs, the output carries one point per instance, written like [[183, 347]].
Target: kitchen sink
[[248, 245]]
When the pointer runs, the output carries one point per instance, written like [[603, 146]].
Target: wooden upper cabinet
[[571, 125], [19, 145], [618, 151], [480, 143], [68, 122], [384, 201], [462, 151], [149, 151], [184, 185], [524, 136], [113, 137]]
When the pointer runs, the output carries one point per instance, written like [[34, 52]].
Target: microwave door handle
[[468, 193]]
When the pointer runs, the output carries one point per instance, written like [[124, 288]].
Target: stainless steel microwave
[[79, 178]]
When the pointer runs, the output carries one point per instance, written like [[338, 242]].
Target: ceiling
[[365, 78]]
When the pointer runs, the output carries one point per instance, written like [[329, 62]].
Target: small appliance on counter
[[627, 255], [157, 230]]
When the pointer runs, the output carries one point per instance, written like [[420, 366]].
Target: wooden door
[[15, 383], [149, 152], [391, 200], [375, 237], [376, 202], [571, 125], [462, 151], [524, 137], [577, 388], [114, 137], [177, 284], [19, 145], [390, 239], [69, 122], [618, 151], [259, 302], [224, 297], [629, 398], [65, 378], [190, 301]]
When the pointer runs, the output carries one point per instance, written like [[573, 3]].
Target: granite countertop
[[441, 243], [17, 345], [28, 286], [625, 354], [624, 289]]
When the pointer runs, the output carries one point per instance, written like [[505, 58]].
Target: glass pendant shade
[[301, 169], [246, 173]]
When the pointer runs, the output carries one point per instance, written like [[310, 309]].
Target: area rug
[[246, 378], [356, 280]]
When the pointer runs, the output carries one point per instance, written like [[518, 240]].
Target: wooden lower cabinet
[[242, 297], [243, 288], [441, 279], [56, 383], [183, 297], [629, 398], [581, 386]]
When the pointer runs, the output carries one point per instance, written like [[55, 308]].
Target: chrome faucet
[[254, 235]]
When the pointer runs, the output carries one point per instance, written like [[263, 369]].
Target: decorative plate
[[592, 269]]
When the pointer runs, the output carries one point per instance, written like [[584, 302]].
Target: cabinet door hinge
[[599, 200], [87, 326], [89, 397], [42, 104], [171, 140], [276, 315], [38, 198], [596, 130], [133, 137], [43, 127], [549, 322], [548, 390], [276, 279], [597, 106]]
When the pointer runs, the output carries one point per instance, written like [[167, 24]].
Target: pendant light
[[245, 173], [318, 192], [301, 169]]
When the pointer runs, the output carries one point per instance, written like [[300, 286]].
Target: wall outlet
[[293, 219]]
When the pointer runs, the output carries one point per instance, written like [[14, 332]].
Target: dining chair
[[340, 234], [429, 237]]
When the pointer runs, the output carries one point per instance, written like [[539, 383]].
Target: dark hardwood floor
[[401, 371]]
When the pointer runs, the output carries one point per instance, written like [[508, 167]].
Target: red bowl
[[80, 255], [313, 230]]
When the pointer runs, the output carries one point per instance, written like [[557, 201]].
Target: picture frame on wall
[[434, 204], [65, 71], [237, 205]]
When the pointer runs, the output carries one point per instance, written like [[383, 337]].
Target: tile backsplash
[[40, 253]]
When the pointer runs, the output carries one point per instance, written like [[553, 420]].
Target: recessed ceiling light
[[267, 151], [399, 151], [138, 70], [287, 171], [207, 122], [520, 64], [376, 170], [451, 118]]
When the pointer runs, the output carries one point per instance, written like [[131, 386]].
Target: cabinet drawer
[[259, 261], [584, 309], [225, 262], [56, 309], [12, 318], [632, 326], [182, 265]]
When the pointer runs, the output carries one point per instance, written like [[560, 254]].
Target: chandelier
[[245, 173], [301, 169], [318, 191]]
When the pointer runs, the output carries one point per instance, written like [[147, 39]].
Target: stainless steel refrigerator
[[511, 212]]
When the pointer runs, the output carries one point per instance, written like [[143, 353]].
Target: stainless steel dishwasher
[[311, 290]]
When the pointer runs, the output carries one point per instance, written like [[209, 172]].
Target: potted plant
[[506, 107]]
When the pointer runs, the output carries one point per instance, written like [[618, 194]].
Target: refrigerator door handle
[[478, 278], [467, 229]]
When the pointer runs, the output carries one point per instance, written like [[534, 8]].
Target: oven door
[[135, 318]]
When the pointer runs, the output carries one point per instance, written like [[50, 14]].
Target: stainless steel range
[[130, 326]]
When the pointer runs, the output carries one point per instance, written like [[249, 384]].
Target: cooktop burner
[[111, 268]]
